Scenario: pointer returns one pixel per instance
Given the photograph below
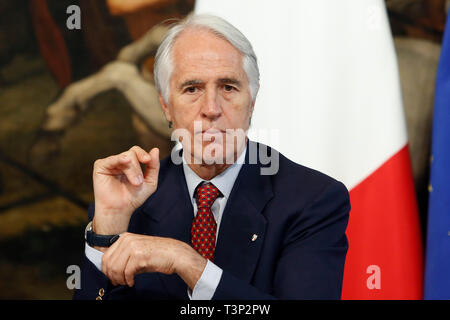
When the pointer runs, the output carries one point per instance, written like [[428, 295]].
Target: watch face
[[88, 228]]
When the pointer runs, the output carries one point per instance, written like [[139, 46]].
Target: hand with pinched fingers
[[120, 187]]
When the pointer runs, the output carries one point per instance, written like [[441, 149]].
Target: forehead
[[198, 52]]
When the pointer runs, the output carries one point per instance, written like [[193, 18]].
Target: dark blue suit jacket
[[300, 216]]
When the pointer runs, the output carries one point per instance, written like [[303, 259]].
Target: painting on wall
[[76, 85]]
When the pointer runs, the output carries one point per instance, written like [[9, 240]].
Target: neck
[[207, 172]]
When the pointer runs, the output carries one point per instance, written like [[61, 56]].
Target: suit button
[[101, 292]]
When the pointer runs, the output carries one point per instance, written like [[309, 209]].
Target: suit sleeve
[[95, 284], [311, 261]]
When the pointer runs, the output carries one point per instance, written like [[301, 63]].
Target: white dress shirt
[[210, 278]]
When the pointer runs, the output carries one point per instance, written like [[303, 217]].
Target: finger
[[130, 271], [132, 168], [141, 154], [111, 165], [152, 169], [137, 155], [109, 257], [118, 267], [119, 259], [125, 163]]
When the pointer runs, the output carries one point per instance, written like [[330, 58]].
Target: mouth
[[209, 131], [213, 131], [212, 135]]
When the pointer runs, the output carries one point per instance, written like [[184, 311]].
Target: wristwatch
[[98, 240]]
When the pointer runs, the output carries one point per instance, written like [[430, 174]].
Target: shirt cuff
[[94, 255], [207, 284]]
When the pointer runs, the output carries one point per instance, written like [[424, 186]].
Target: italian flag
[[330, 99]]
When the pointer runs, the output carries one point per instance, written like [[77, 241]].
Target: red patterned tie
[[204, 226]]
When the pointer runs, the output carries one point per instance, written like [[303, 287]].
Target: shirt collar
[[224, 181]]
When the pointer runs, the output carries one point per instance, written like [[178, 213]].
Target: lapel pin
[[255, 236]]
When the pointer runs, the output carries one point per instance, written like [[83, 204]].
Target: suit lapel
[[243, 226], [170, 207]]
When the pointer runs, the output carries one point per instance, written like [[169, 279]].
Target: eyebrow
[[229, 81], [190, 83], [221, 81]]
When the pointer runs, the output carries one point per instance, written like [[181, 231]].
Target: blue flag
[[437, 268]]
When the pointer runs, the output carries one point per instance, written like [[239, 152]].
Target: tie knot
[[206, 195]]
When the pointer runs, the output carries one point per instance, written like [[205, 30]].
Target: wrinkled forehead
[[200, 51], [197, 45]]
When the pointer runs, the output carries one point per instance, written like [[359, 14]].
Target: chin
[[215, 153]]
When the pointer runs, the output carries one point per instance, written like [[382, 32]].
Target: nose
[[211, 108]]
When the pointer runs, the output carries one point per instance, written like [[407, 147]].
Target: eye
[[228, 88], [191, 89]]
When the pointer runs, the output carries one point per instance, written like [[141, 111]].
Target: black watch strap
[[99, 240]]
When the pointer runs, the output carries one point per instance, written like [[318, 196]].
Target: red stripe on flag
[[385, 256]]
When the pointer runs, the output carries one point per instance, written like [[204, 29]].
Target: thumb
[[152, 169]]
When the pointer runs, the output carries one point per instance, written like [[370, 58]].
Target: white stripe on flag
[[329, 81]]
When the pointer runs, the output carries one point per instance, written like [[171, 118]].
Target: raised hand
[[120, 187]]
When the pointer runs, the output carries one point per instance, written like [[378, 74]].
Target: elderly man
[[213, 225]]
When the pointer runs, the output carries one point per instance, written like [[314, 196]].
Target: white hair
[[164, 63]]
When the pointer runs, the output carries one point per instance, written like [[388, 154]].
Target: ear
[[251, 108], [252, 105], [165, 108]]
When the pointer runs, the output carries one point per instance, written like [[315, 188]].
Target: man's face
[[209, 93]]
